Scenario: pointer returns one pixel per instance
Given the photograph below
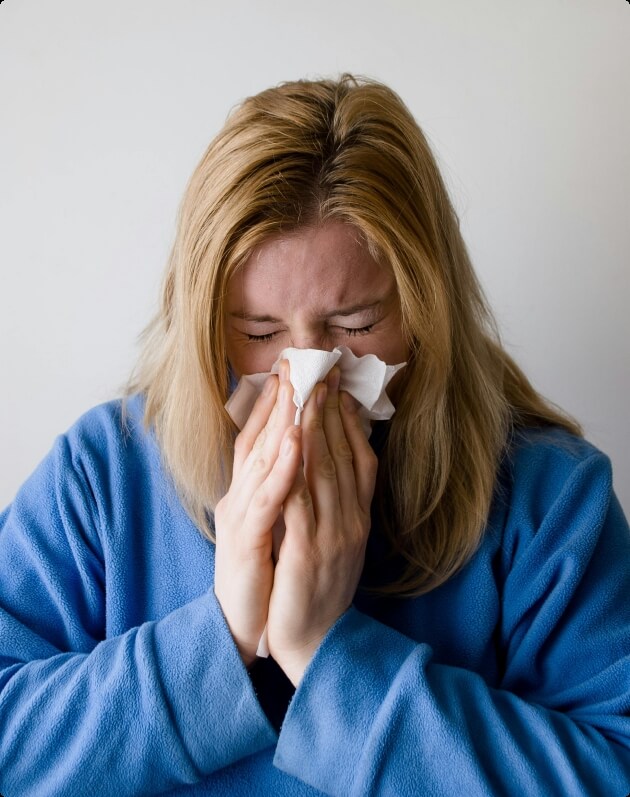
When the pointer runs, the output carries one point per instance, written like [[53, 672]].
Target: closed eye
[[354, 331], [350, 332], [261, 338]]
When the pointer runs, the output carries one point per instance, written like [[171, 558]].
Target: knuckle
[[259, 465], [336, 548], [353, 540], [303, 496], [315, 423], [327, 467], [260, 499], [260, 440], [371, 463], [343, 451]]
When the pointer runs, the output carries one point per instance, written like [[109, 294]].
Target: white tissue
[[365, 378]]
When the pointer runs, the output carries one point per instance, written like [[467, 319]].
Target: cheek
[[388, 346], [395, 348], [398, 351], [252, 359]]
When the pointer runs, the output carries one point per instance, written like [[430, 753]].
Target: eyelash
[[261, 338], [351, 332]]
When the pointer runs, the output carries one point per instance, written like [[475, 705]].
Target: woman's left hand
[[327, 518]]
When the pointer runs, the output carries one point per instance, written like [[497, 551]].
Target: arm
[[79, 713], [374, 714]]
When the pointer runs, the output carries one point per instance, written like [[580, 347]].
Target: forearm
[[379, 717], [141, 713]]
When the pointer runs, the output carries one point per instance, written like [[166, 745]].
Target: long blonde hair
[[349, 150]]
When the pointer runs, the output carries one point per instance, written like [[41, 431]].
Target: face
[[315, 288]]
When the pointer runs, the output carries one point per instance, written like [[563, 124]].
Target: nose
[[311, 340]]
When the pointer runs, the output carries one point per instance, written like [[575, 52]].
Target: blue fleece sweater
[[118, 675]]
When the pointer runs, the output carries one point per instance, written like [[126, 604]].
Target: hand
[[267, 457], [327, 518]]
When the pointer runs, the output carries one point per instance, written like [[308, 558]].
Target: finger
[[299, 515], [319, 466], [337, 442], [265, 452], [365, 461], [282, 416], [255, 423], [267, 443], [267, 499]]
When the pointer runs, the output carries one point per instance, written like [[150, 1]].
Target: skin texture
[[298, 282], [317, 287]]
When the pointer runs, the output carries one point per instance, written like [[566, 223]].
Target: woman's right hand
[[267, 455]]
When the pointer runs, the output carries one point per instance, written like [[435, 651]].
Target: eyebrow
[[343, 311]]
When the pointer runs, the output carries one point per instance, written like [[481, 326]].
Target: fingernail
[[350, 404], [289, 442], [320, 397], [284, 370]]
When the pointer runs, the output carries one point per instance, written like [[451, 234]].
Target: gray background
[[105, 109]]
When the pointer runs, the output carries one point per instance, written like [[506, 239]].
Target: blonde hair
[[349, 150]]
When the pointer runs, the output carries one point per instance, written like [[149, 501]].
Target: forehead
[[311, 268]]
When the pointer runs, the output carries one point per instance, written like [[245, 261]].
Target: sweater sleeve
[[375, 714], [135, 714]]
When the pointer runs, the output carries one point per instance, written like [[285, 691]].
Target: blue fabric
[[118, 675]]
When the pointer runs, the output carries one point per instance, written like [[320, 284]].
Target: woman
[[447, 610]]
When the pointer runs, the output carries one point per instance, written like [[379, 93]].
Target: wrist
[[294, 664]]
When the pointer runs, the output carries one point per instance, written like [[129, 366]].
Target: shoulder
[[551, 445], [111, 430], [554, 498], [542, 463], [553, 486], [113, 454], [86, 477]]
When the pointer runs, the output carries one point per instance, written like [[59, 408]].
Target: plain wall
[[105, 109]]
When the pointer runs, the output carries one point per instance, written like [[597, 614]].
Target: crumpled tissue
[[365, 378]]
